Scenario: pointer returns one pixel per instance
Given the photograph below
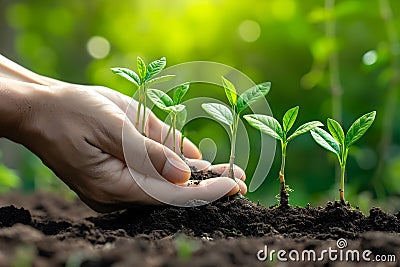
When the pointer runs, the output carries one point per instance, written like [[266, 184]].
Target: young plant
[[339, 143], [270, 126], [231, 116], [142, 80], [176, 111]]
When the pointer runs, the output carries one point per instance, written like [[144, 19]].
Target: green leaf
[[325, 140], [308, 126], [359, 127], [180, 92], [175, 108], [155, 67], [141, 68], [220, 112], [128, 74], [230, 91], [265, 124], [336, 130], [251, 95], [160, 79], [289, 118], [160, 99]]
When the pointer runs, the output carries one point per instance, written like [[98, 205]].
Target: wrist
[[18, 104]]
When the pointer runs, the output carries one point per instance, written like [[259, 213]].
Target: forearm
[[17, 100], [11, 70]]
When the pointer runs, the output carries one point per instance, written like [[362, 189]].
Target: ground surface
[[45, 230]]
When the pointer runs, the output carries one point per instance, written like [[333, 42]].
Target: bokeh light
[[249, 31], [98, 47], [370, 57]]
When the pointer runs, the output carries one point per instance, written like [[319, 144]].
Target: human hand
[[77, 132]]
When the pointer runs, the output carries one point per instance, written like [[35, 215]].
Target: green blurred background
[[337, 59]]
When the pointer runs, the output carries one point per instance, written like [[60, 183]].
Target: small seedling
[[270, 126], [142, 81], [339, 143], [238, 104], [176, 111]]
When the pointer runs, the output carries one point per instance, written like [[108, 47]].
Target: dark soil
[[45, 230]]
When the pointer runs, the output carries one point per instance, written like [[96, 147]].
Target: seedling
[[176, 111], [142, 81], [339, 143], [238, 104], [270, 126]]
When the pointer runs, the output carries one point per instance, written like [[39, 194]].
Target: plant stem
[[231, 173], [139, 107], [342, 160], [144, 95], [174, 131], [341, 189], [168, 133], [284, 195], [181, 143]]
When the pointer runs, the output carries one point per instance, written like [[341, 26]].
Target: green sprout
[[176, 111], [142, 81], [238, 104], [339, 143], [270, 126]]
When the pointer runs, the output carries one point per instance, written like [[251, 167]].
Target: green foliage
[[141, 66], [339, 143], [128, 74], [8, 179], [185, 247], [252, 95], [230, 92], [238, 104], [173, 106], [219, 112], [336, 141], [142, 80], [24, 255], [270, 126], [325, 140]]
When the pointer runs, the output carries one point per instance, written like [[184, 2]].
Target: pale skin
[[76, 130]]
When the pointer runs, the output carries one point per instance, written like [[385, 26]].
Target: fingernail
[[176, 170]]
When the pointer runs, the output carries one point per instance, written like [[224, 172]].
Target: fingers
[[118, 137], [158, 131], [199, 164], [194, 195], [223, 169], [152, 158]]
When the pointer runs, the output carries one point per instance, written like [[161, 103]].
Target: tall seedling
[[142, 80], [230, 117], [339, 143], [176, 111], [270, 126]]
